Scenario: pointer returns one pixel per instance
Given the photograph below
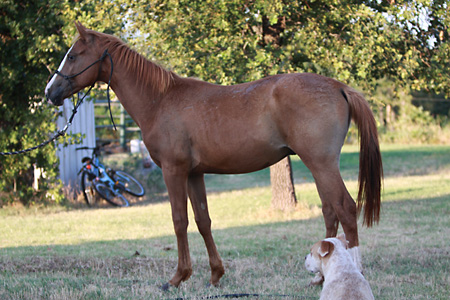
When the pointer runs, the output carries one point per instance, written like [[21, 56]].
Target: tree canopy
[[362, 43], [357, 42], [29, 39]]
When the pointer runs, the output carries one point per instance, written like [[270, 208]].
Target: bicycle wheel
[[89, 192], [129, 183], [107, 193]]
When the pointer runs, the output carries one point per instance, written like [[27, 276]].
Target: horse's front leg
[[197, 194], [176, 183]]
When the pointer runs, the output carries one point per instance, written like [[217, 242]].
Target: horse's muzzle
[[54, 92], [54, 99]]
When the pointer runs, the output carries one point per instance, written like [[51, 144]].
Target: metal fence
[[126, 127]]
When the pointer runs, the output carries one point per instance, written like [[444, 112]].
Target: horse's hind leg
[[335, 197], [337, 204], [197, 194]]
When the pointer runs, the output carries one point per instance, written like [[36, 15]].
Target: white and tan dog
[[343, 279]]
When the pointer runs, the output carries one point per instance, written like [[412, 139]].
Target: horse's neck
[[137, 99]]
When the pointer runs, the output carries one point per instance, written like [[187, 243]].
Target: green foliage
[[28, 39], [414, 125], [357, 42], [382, 49], [34, 35], [225, 41]]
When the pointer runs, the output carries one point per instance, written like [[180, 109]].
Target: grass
[[108, 253]]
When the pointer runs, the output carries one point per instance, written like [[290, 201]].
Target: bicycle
[[96, 179]]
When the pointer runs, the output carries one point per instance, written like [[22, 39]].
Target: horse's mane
[[149, 73]]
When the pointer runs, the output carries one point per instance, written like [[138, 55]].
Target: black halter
[[68, 77], [76, 105]]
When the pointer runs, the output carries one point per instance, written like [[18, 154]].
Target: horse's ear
[[325, 248], [81, 30]]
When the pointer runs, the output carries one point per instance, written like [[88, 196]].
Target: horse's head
[[80, 68]]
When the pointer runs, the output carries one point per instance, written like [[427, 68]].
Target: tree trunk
[[283, 192]]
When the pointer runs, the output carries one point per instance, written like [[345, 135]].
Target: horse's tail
[[370, 165]]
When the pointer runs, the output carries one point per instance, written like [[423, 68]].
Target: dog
[[342, 277]]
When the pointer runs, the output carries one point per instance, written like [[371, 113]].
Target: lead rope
[[76, 106], [249, 295], [107, 89]]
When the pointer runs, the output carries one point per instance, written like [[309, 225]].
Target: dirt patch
[[84, 266]]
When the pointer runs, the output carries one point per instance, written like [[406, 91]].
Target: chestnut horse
[[191, 127]]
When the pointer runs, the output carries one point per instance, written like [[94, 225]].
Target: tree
[[283, 190], [281, 176], [227, 42], [34, 35], [358, 42], [28, 38]]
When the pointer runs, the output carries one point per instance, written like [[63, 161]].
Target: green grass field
[[110, 253]]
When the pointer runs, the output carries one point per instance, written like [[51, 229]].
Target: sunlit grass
[[109, 253], [227, 209]]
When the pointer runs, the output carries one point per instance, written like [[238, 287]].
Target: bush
[[415, 125], [29, 37]]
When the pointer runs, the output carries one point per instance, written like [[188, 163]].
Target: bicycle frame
[[97, 171], [106, 182]]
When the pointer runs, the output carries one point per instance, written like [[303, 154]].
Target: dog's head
[[322, 251]]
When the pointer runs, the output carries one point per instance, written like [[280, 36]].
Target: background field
[[109, 253]]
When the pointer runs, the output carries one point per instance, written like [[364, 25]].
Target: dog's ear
[[344, 241], [325, 248]]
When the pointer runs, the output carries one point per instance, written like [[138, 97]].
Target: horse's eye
[[71, 57]]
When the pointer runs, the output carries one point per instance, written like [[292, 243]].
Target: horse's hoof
[[165, 287], [210, 285]]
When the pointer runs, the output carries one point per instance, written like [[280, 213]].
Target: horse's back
[[249, 126]]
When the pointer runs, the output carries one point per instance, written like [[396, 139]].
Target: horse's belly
[[240, 161]]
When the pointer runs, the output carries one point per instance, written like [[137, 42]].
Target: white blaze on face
[[49, 84]]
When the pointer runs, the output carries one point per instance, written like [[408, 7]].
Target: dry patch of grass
[[92, 254]]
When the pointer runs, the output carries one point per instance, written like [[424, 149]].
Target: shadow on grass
[[263, 240], [406, 248]]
